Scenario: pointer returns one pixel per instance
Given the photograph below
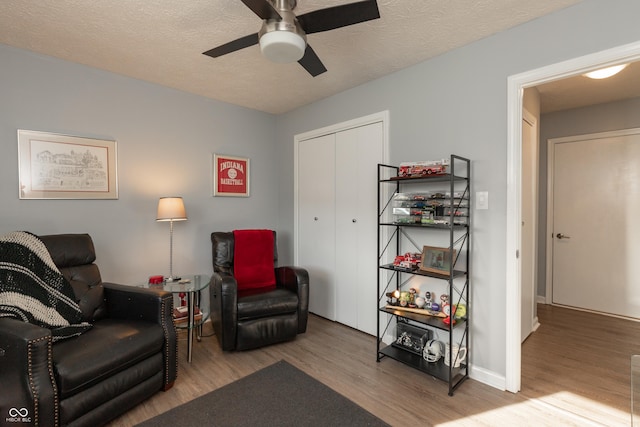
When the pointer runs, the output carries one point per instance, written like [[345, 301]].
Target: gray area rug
[[278, 395]]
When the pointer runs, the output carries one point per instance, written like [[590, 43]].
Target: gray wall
[[165, 140], [580, 121], [457, 103]]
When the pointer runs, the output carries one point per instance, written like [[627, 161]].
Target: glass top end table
[[189, 286]]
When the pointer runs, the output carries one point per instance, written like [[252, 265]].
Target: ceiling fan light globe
[[282, 46]]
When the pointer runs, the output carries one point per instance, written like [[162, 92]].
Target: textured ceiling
[[162, 41]]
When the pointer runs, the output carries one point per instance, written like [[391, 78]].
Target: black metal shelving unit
[[391, 277]]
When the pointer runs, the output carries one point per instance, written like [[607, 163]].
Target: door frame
[[533, 122], [380, 117], [515, 87]]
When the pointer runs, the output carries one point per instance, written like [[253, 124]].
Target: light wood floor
[[575, 372]]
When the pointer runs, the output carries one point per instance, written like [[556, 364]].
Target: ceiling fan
[[282, 37]]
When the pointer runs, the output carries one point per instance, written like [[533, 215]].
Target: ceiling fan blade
[[339, 16], [238, 44], [262, 8], [311, 62]]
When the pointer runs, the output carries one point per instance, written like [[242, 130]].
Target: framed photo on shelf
[[56, 166], [230, 176], [437, 260]]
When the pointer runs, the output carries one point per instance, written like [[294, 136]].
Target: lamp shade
[[171, 209]]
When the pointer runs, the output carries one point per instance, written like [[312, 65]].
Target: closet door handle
[[354, 220]]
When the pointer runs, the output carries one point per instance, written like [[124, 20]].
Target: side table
[[191, 286]]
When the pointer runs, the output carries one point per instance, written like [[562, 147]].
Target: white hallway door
[[337, 205], [595, 185]]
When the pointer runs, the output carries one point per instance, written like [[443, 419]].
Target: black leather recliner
[[248, 319], [127, 356]]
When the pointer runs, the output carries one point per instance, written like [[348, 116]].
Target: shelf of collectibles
[[423, 288]]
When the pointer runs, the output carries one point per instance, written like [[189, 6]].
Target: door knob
[[562, 236], [353, 220], [315, 218]]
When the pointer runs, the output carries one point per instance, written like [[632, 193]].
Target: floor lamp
[[171, 209]]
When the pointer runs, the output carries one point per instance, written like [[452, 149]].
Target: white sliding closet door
[[316, 219], [337, 232], [358, 151]]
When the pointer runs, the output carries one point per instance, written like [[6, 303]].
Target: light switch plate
[[482, 200]]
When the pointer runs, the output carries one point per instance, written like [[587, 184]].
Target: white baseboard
[[536, 324], [487, 377]]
